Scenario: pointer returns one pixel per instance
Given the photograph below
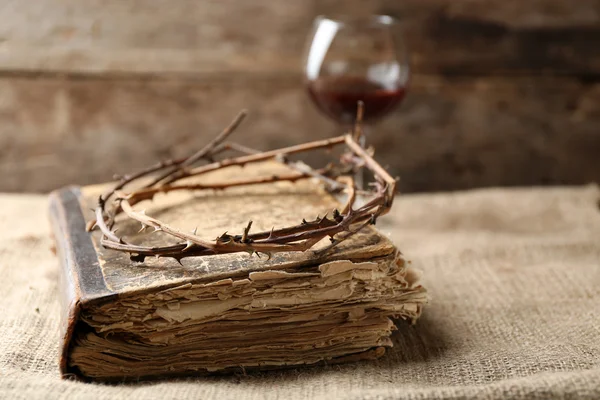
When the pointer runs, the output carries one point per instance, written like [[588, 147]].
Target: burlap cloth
[[514, 279]]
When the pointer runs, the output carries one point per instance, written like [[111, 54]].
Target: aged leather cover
[[81, 279], [91, 275]]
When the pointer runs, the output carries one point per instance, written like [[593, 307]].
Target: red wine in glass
[[338, 97], [354, 59]]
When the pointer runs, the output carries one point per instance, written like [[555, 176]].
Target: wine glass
[[352, 59]]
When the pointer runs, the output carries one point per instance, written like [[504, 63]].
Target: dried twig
[[341, 225], [358, 132], [179, 170]]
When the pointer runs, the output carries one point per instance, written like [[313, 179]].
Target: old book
[[129, 321]]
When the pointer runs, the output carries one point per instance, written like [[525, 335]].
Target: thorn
[[188, 244], [271, 236], [178, 259], [196, 230], [246, 231], [269, 255], [337, 216], [224, 238], [90, 225], [157, 229], [304, 221], [324, 217], [143, 228]]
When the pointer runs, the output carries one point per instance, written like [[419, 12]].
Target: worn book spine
[[81, 281]]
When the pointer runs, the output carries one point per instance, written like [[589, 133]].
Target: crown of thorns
[[163, 177]]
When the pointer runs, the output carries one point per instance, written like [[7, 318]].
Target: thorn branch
[[337, 225]]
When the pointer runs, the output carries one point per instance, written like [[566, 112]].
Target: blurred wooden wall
[[505, 92]]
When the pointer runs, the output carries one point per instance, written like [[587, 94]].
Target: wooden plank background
[[505, 92]]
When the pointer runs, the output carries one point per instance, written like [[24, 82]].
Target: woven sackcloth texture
[[514, 283]]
